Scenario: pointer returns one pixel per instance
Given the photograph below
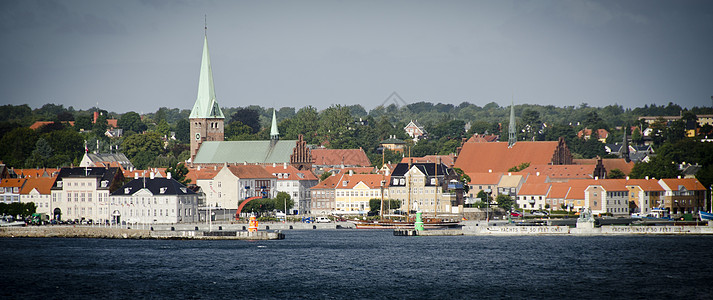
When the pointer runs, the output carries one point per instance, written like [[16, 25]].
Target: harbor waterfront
[[361, 264]]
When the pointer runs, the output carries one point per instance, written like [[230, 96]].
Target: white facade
[[227, 189], [80, 197], [143, 207]]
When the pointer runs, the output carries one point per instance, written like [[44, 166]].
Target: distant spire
[[274, 134], [206, 105], [511, 130]]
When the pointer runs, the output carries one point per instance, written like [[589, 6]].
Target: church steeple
[[206, 118], [206, 105], [274, 134], [512, 138]]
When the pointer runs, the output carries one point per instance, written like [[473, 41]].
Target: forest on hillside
[[146, 141]]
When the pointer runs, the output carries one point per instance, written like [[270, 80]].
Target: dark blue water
[[353, 264]]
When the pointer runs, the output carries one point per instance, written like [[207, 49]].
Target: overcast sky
[[142, 55]]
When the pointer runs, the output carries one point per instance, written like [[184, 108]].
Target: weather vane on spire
[[205, 24]]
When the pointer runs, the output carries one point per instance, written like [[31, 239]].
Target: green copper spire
[[206, 105], [274, 134], [511, 130]]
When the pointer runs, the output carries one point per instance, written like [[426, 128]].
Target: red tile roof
[[496, 156], [250, 171], [612, 184], [558, 190], [42, 184], [484, 178], [563, 171], [481, 138], [448, 160], [534, 189], [609, 164], [328, 183], [356, 170], [194, 174], [373, 181], [36, 172], [691, 184], [12, 182], [601, 133], [336, 157], [293, 173], [646, 184], [39, 124]]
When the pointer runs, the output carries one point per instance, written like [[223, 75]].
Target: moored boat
[[392, 224], [705, 216]]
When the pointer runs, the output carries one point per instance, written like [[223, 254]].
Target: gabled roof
[[562, 171], [42, 184], [511, 179], [106, 159], [691, 184], [288, 172], [355, 170], [195, 174], [609, 164], [425, 168], [250, 171], [206, 105], [612, 184], [102, 174], [649, 185], [12, 182], [373, 181], [337, 157], [39, 124], [36, 172], [447, 160], [482, 138], [157, 186], [601, 133], [534, 189], [328, 183], [496, 156], [577, 187], [558, 190], [263, 152], [484, 178]]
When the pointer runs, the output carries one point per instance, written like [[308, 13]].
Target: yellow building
[[353, 191]]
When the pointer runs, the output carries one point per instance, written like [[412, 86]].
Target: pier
[[126, 233]]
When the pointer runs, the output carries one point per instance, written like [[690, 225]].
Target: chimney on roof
[[152, 175], [679, 176], [274, 165], [647, 177], [510, 174], [136, 175], [490, 170], [284, 166], [351, 172], [596, 177], [198, 168], [168, 175], [627, 177]]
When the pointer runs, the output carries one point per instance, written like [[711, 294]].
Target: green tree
[[141, 149], [324, 176], [131, 121], [178, 172], [183, 130], [616, 174], [17, 145], [162, 128], [42, 153], [237, 131], [464, 178], [519, 167], [83, 122], [375, 204], [505, 202], [249, 117], [658, 167]]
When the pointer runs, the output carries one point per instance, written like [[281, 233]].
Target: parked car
[[515, 214], [322, 220], [540, 213]]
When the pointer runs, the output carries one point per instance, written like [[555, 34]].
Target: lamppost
[[488, 191]]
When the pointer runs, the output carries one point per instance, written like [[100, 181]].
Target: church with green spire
[[208, 145]]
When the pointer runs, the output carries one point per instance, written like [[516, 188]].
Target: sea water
[[361, 264]]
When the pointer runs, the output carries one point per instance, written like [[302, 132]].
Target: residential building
[[237, 182], [393, 144], [644, 195], [323, 195], [295, 183], [483, 182], [511, 183], [153, 201], [415, 130], [10, 189], [587, 133], [106, 160], [608, 196], [83, 193], [324, 159], [426, 187], [683, 195], [38, 190], [353, 192], [532, 195]]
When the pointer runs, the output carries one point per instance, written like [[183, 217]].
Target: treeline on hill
[[147, 141]]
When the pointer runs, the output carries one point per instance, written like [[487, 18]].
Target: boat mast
[[435, 191]]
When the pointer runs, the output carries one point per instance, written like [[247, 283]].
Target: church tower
[[512, 138], [206, 117]]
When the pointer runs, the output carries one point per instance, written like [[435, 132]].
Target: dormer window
[[104, 183], [127, 190], [344, 183], [59, 183], [163, 190], [184, 190]]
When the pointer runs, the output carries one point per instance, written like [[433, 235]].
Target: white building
[[295, 183], [84, 193], [237, 182], [152, 201]]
